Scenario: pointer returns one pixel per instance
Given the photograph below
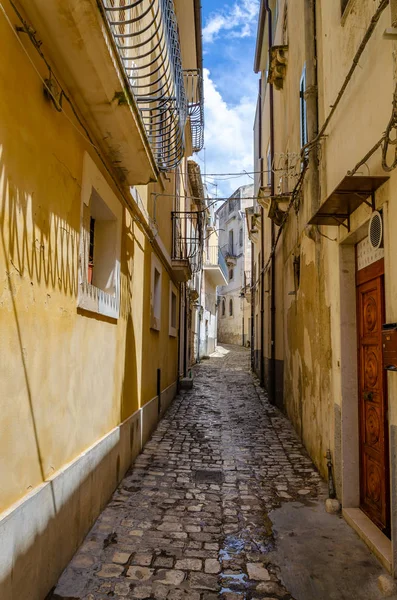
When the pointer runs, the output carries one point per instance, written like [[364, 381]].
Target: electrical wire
[[294, 194]]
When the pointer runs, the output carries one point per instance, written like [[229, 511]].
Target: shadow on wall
[[129, 394], [54, 536], [49, 258], [39, 241]]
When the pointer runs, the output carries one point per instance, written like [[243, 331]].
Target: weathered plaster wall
[[68, 377]]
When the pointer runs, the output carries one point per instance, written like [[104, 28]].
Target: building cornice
[[259, 37]]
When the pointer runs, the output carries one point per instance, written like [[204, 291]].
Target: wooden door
[[374, 462]]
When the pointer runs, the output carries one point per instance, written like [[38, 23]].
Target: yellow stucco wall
[[68, 376]]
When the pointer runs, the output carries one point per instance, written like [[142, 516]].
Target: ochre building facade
[[324, 276], [96, 219]]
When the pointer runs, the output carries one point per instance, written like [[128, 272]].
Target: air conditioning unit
[[375, 230]]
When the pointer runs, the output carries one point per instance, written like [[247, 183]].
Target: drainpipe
[[311, 97], [185, 349], [261, 266], [273, 235], [178, 362], [199, 315], [252, 336]]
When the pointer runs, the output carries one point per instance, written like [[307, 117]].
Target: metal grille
[[195, 96], [145, 35], [187, 238], [375, 230]]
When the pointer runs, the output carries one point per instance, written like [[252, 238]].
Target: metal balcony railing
[[195, 97], [145, 35], [214, 257], [187, 238]]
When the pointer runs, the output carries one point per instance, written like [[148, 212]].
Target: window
[[231, 274], [240, 236], [173, 311], [231, 242], [155, 294], [303, 113], [297, 271], [223, 307], [230, 307], [100, 243], [269, 166], [231, 206]]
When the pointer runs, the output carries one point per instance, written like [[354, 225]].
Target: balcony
[[215, 265], [246, 289], [195, 97], [187, 243], [229, 254], [145, 37], [75, 36]]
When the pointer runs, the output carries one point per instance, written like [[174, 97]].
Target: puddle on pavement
[[232, 545], [234, 554]]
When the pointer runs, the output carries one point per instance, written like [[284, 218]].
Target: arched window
[[223, 307], [231, 307]]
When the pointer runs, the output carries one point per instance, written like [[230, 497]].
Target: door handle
[[368, 396]]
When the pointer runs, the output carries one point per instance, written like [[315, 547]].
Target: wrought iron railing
[[145, 35], [187, 238], [195, 97]]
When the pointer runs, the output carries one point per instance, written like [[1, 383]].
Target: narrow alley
[[209, 509]]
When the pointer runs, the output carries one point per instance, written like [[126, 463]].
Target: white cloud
[[238, 21], [228, 137]]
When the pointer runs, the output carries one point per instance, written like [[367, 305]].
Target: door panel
[[374, 464]]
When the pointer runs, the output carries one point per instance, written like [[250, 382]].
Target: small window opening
[[297, 272], [240, 236], [223, 307], [303, 110], [231, 274], [173, 310], [91, 250], [269, 166], [231, 307], [102, 252], [156, 294], [231, 242]]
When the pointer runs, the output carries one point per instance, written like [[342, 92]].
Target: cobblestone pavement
[[190, 519]]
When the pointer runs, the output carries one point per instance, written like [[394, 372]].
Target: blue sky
[[230, 88]]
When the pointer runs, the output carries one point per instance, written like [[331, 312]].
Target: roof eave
[[259, 37]]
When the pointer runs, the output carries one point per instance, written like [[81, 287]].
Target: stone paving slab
[[190, 521]]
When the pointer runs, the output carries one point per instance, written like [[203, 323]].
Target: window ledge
[[155, 324], [97, 301]]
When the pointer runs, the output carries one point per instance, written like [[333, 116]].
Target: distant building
[[210, 271], [234, 322]]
